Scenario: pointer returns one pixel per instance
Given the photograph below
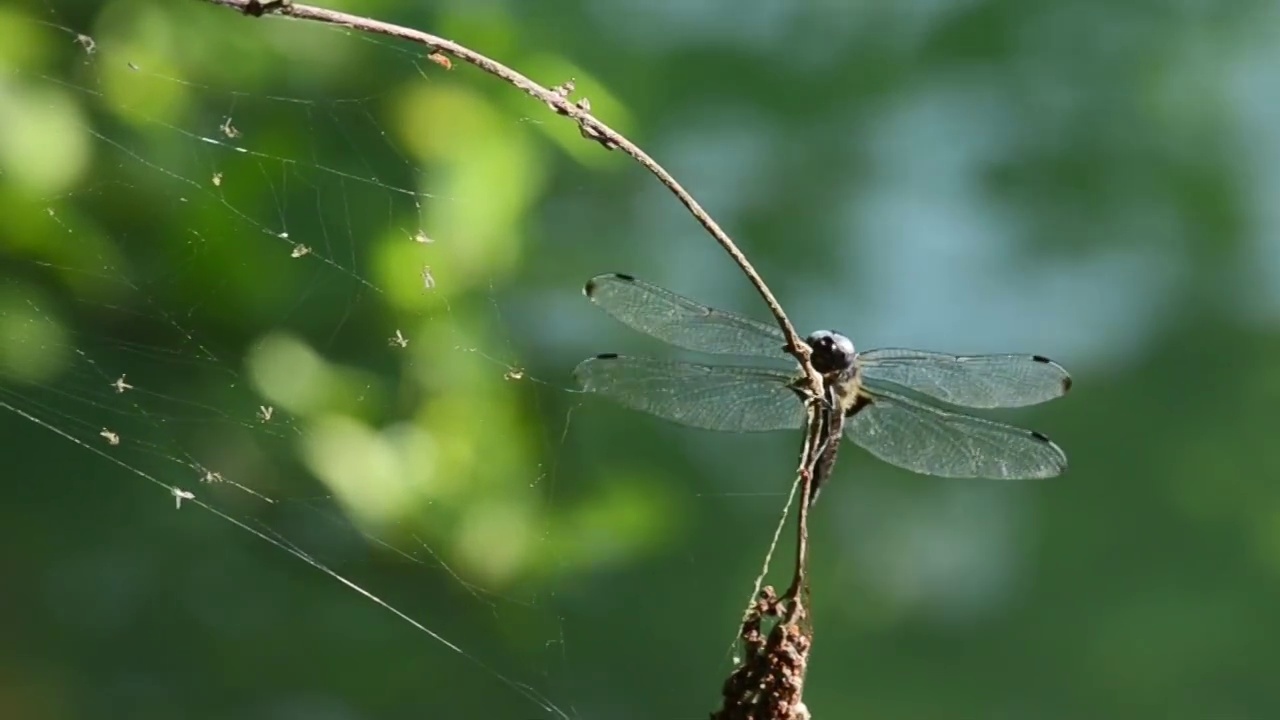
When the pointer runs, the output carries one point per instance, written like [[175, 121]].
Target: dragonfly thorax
[[832, 352]]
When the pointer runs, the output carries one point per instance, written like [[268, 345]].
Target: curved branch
[[770, 681], [557, 99]]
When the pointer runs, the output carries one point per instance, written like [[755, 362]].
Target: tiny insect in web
[[299, 250], [110, 437], [398, 340], [265, 412], [120, 385]]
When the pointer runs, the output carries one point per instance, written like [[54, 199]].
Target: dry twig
[[768, 685]]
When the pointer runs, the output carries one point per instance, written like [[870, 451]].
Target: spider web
[[254, 306]]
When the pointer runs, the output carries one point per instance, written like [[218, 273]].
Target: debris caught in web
[[179, 495], [441, 59]]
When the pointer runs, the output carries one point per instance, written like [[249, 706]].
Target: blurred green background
[[332, 291]]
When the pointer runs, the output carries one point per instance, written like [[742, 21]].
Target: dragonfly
[[905, 407]]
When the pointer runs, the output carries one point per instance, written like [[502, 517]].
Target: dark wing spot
[[590, 289], [607, 356], [1066, 379], [1039, 436]]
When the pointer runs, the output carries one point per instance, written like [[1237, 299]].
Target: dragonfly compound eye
[[831, 351]]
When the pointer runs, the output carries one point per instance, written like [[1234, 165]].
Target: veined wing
[[980, 381], [714, 397], [928, 440], [682, 322]]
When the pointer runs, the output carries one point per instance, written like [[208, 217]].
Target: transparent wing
[[980, 381], [714, 397], [931, 441], [677, 320]]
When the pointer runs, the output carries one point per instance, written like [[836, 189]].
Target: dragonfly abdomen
[[833, 425]]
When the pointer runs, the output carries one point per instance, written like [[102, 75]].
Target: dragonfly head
[[832, 352]]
